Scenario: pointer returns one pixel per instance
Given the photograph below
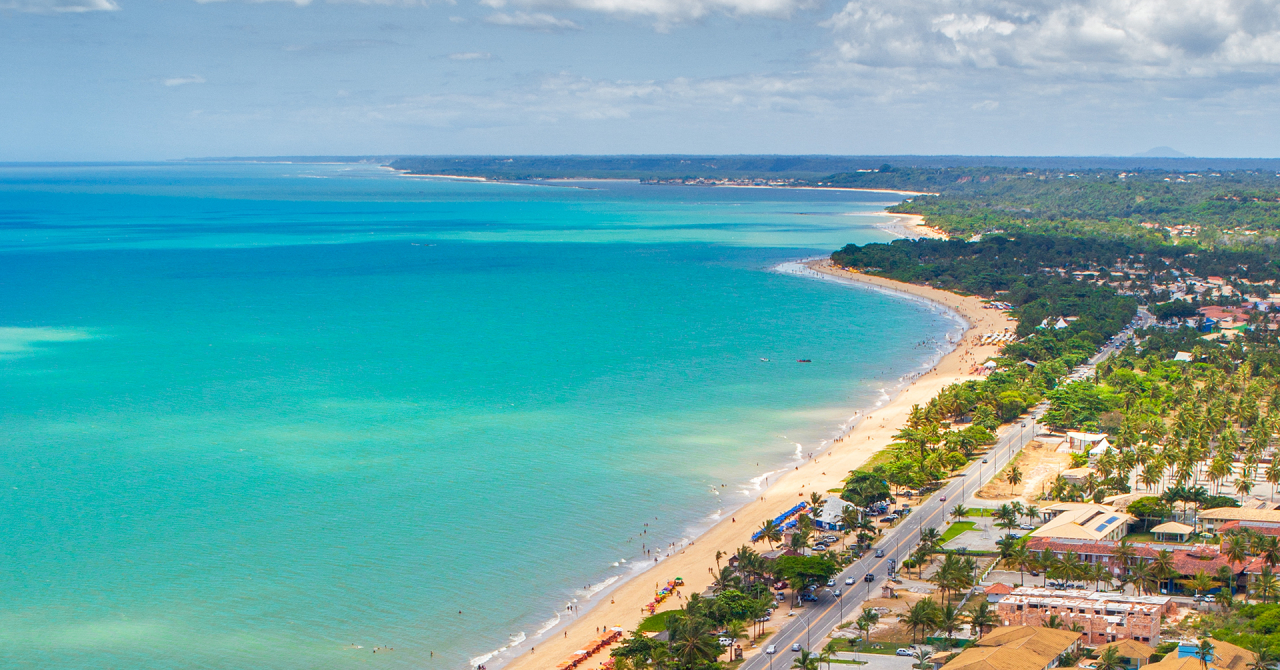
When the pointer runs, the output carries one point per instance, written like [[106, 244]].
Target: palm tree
[[931, 538], [949, 620], [1109, 659], [1014, 477], [807, 660], [736, 630], [719, 555], [1054, 621], [1142, 579], [921, 617], [1163, 567], [769, 531], [1123, 554], [1200, 582], [1228, 578], [1099, 574], [815, 501], [1018, 557], [1205, 653], [959, 512], [866, 621], [725, 580], [1263, 658], [1266, 585], [981, 618], [849, 518], [692, 642]]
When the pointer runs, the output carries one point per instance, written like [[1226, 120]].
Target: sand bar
[[622, 606]]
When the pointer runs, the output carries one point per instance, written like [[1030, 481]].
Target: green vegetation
[[1211, 205], [955, 529]]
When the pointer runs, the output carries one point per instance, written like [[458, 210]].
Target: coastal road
[[812, 624]]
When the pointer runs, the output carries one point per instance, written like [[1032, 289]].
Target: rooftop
[[1015, 648]]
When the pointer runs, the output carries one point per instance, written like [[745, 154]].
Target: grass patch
[[656, 623], [979, 511], [858, 646], [956, 528], [882, 457]]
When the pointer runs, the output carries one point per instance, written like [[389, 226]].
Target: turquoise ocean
[[274, 417]]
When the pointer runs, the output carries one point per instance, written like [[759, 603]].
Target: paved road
[[818, 619], [811, 625]]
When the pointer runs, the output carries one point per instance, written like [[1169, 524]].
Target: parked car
[[726, 641], [904, 651], [1026, 526], [848, 581], [771, 649], [830, 539], [890, 519], [819, 547], [879, 553]]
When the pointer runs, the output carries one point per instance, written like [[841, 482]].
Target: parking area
[[983, 537], [879, 661]]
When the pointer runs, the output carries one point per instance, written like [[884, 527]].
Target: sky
[[164, 79]]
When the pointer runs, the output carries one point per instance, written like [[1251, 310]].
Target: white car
[[771, 649], [831, 582], [903, 651], [848, 581]]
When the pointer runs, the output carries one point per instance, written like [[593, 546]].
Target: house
[[1172, 531], [1216, 517], [1187, 560], [1018, 648], [1133, 654], [1077, 475], [997, 591], [1099, 449], [1101, 617], [1182, 356], [829, 518], [1083, 521], [1225, 656]]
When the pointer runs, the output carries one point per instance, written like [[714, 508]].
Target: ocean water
[[277, 416]]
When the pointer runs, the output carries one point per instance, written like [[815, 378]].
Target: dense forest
[[1211, 205]]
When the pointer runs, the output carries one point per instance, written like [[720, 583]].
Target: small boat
[[765, 360], [804, 360]]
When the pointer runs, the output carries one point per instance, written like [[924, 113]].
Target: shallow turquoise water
[[253, 414]]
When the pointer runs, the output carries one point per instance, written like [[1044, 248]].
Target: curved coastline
[[867, 432]]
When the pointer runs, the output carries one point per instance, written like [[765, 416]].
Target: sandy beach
[[912, 226], [622, 606]]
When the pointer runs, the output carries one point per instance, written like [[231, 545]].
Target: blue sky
[[158, 79]]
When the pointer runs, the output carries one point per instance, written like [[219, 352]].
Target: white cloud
[[666, 11], [1091, 38], [180, 81], [531, 21], [59, 6], [471, 55]]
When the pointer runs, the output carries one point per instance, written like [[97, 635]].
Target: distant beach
[[871, 431]]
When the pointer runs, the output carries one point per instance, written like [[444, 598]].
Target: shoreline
[[620, 603], [553, 180], [911, 226]]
